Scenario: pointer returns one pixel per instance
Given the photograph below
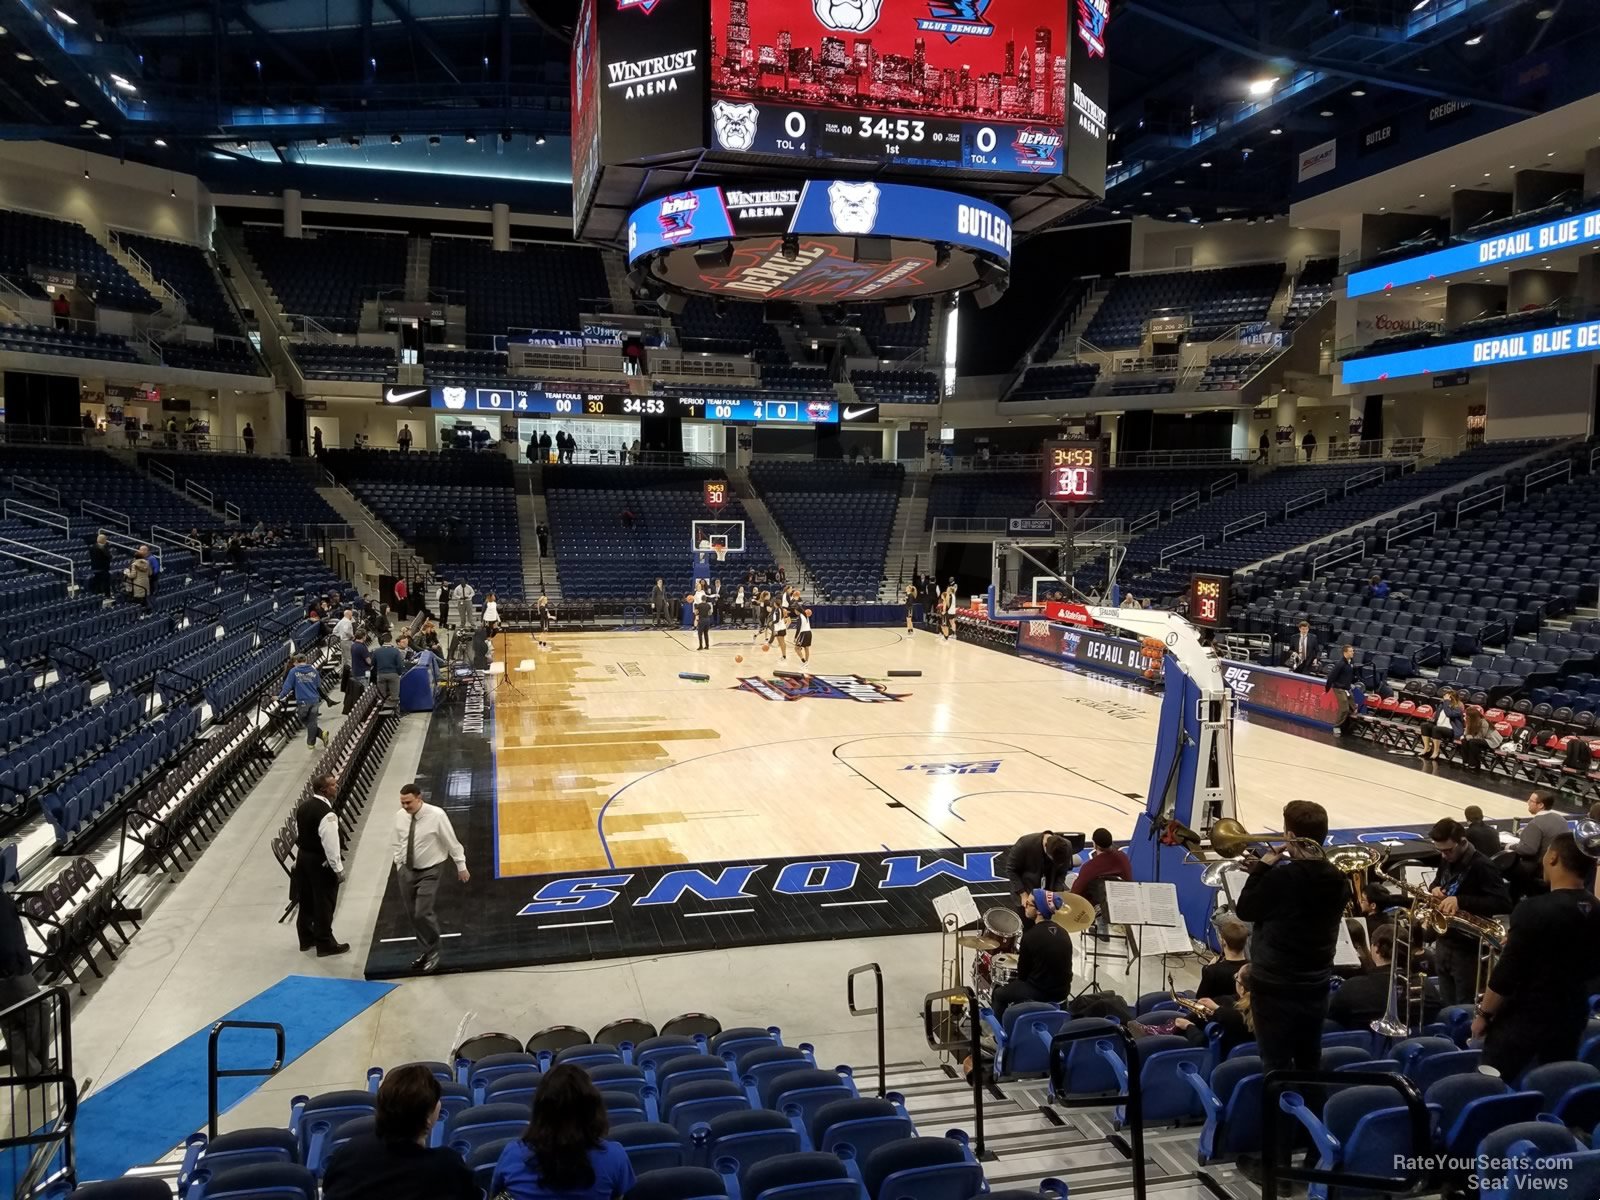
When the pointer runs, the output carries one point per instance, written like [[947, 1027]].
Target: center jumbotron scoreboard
[[1002, 101]]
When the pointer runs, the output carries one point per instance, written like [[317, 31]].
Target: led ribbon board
[[1580, 229], [1581, 338]]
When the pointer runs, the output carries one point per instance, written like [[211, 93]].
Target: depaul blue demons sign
[[1581, 229], [771, 890]]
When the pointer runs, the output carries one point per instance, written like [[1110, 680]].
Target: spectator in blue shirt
[[305, 681], [565, 1154], [388, 664]]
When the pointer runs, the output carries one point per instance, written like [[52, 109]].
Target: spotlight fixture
[[173, 192], [86, 172], [671, 303], [162, 142], [433, 139], [1275, 130], [539, 140], [102, 135], [472, 139], [790, 247], [1260, 87], [353, 140], [1358, 92], [322, 142], [70, 103], [241, 144], [395, 139], [941, 253], [1207, 163], [1474, 38], [24, 56]]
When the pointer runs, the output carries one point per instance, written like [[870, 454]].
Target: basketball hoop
[[719, 547]]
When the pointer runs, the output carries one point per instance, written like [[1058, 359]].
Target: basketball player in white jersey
[[780, 629], [802, 637]]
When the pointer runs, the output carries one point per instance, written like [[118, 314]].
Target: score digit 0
[[794, 124]]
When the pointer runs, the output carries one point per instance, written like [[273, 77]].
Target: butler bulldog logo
[[848, 16], [455, 397], [735, 124], [854, 206], [819, 687]]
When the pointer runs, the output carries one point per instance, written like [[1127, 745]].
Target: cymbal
[[1075, 914], [980, 941]]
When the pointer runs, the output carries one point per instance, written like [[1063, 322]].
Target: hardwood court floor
[[606, 758]]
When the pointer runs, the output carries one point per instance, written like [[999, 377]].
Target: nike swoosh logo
[[850, 414], [394, 397]]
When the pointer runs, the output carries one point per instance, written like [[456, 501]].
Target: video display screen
[[923, 83]]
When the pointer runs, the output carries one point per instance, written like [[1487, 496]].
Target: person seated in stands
[[394, 1161], [1524, 867], [1448, 724], [1229, 1013], [1216, 979], [1364, 997], [1108, 862], [1378, 587], [1482, 835], [565, 1154], [1044, 956], [1479, 737]]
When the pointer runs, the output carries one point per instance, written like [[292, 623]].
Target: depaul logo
[[989, 766], [956, 19], [1092, 15], [1037, 149], [677, 216], [818, 687], [645, 6]]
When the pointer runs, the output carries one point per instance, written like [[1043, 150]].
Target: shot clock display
[[1208, 600], [716, 493], [1072, 471]]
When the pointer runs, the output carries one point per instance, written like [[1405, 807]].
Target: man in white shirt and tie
[[424, 844], [1303, 650]]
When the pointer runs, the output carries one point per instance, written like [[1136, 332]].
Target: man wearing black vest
[[318, 868]]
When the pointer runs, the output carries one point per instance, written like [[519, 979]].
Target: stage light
[[162, 142], [539, 140], [322, 142], [1474, 37], [241, 144], [395, 139], [69, 20], [790, 248], [987, 296], [24, 56], [671, 303], [1260, 87], [1275, 130], [472, 139], [941, 253], [70, 103], [710, 258], [102, 135], [433, 139], [1358, 92]]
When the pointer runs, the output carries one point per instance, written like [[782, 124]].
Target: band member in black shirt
[[1294, 900], [1364, 997], [1039, 860], [1044, 957], [1536, 1006], [1216, 979], [1466, 882]]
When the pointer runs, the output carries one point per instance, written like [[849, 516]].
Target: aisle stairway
[[908, 541], [756, 510], [537, 574]]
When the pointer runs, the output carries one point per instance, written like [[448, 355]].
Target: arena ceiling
[[1212, 100]]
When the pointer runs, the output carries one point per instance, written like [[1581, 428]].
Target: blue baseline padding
[[154, 1107], [417, 690]]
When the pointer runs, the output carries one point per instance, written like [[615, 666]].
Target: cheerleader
[[780, 630], [947, 612], [802, 637]]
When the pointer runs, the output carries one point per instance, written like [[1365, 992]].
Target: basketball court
[[596, 779]]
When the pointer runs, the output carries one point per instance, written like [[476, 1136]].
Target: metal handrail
[[875, 1011], [1177, 548], [1305, 501], [1557, 470], [970, 997], [1183, 502], [214, 1073], [1482, 500], [197, 492], [1334, 557], [1243, 524], [1133, 1098], [43, 490], [172, 535], [1145, 522], [22, 556], [1273, 1147], [1429, 521], [1363, 478], [88, 508], [125, 541], [1223, 484], [24, 511], [162, 471]]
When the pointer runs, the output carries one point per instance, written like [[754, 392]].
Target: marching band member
[[1044, 956]]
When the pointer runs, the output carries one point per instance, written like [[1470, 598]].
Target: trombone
[[1227, 839]]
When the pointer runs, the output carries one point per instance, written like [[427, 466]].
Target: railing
[[1375, 475], [1555, 471], [1132, 1098], [1428, 521], [1253, 521], [1334, 557], [88, 508], [1149, 520], [1178, 549], [1594, 455], [230, 510], [44, 491], [214, 1072], [1494, 495], [875, 1011], [24, 511], [975, 1048], [194, 491], [1219, 486], [40, 1091], [123, 541], [1182, 502], [162, 472], [1412, 1168], [1305, 501], [172, 535], [45, 560]]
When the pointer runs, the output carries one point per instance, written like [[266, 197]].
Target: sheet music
[[1151, 941], [1344, 952], [958, 904], [1143, 904]]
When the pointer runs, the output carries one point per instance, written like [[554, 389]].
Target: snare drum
[[1003, 969], [1004, 925]]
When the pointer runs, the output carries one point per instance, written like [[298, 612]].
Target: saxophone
[[1487, 930]]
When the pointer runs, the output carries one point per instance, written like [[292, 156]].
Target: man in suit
[[1525, 873], [1303, 650], [100, 566], [1038, 860], [1342, 678], [318, 868]]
